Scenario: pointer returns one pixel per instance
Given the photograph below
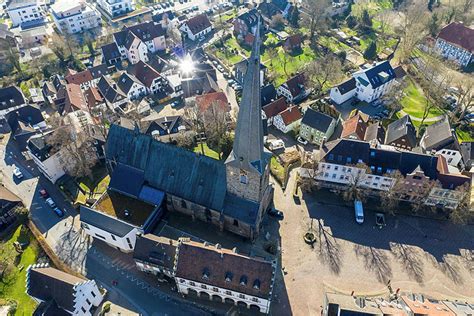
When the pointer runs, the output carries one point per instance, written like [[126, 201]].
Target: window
[[372, 154], [129, 243], [331, 157], [336, 167], [256, 284], [242, 296], [334, 176], [243, 280], [93, 294], [205, 273], [100, 236], [379, 169], [113, 237], [348, 160], [243, 176], [254, 299], [228, 276], [228, 293], [339, 158], [203, 286], [215, 289], [236, 223], [85, 226], [88, 302], [181, 281], [83, 309], [192, 283]]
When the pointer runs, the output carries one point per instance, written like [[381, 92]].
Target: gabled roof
[[275, 108], [291, 115], [125, 82], [225, 269], [268, 94], [294, 40], [144, 73], [347, 86], [156, 250], [250, 18], [110, 52], [355, 125], [403, 127], [378, 74], [10, 97], [375, 131], [204, 101], [46, 283], [110, 90], [437, 135], [7, 195], [93, 97], [198, 23], [295, 85], [459, 35], [199, 85], [130, 40], [467, 152], [28, 114], [78, 77], [317, 120], [105, 222], [146, 31]]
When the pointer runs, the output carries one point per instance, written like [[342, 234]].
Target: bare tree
[[465, 99], [277, 22], [390, 199], [462, 214], [355, 189], [393, 97], [314, 14], [323, 71]]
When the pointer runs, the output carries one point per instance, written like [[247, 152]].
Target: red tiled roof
[[74, 99], [295, 84], [290, 115], [204, 101], [458, 34], [93, 96], [294, 40], [355, 124], [249, 38], [78, 77], [276, 107]]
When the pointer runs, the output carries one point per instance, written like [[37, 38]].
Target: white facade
[[151, 268], [174, 82], [345, 175], [136, 91], [124, 243], [184, 28], [74, 17], [138, 51], [453, 157], [25, 13], [115, 8], [453, 52], [226, 295], [443, 197], [368, 93], [338, 98], [86, 296], [280, 124], [52, 167]]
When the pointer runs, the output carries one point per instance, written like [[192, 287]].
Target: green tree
[[351, 21], [371, 51], [433, 25], [294, 16], [366, 20]]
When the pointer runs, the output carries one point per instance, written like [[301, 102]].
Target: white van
[[359, 211], [276, 144]]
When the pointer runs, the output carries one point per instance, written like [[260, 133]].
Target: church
[[233, 194]]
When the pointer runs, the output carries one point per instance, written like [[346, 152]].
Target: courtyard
[[414, 254]]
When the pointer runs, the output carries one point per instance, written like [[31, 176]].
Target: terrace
[[124, 208]]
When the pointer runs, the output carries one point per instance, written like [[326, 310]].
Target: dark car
[[275, 213], [58, 212], [44, 193]]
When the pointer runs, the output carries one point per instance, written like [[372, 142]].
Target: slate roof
[[127, 180], [144, 73], [347, 86], [399, 72], [401, 128], [375, 131], [165, 125], [39, 146], [317, 120], [199, 85], [437, 135], [459, 35], [10, 97], [109, 90], [250, 18], [268, 94], [105, 222], [295, 85], [125, 82], [156, 250], [467, 152], [248, 275], [268, 9], [276, 107], [46, 283], [172, 169], [110, 52], [376, 74], [355, 125], [198, 23], [29, 114], [146, 31]]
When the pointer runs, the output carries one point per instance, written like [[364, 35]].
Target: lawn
[[464, 136], [207, 151], [332, 44], [277, 170], [12, 286], [373, 6], [98, 185], [414, 101]]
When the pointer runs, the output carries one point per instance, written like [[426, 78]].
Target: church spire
[[247, 152]]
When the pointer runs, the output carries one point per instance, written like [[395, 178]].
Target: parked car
[[301, 140], [175, 104], [44, 194], [17, 173], [50, 202], [58, 212], [276, 144], [230, 82], [359, 211], [275, 213]]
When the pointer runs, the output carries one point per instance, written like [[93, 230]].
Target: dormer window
[[243, 280], [256, 284], [228, 276], [205, 273]]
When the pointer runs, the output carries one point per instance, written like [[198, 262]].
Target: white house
[[456, 42], [288, 120], [26, 12], [174, 82], [147, 76], [224, 275], [131, 86], [294, 89], [114, 97], [67, 292], [453, 157], [74, 17], [135, 49], [196, 27], [368, 84], [50, 163], [115, 8]]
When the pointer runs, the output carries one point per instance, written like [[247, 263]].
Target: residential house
[[340, 304], [26, 13], [467, 152], [459, 307], [51, 87], [11, 98], [288, 120], [293, 43], [36, 97], [456, 42], [174, 86], [87, 78], [24, 123], [155, 255], [70, 98], [196, 85], [355, 127], [196, 27], [167, 128], [268, 94], [8, 42], [74, 17], [205, 102], [294, 89], [240, 69], [147, 76], [274, 108], [166, 19], [131, 86], [375, 134], [9, 202], [94, 99], [49, 160], [274, 7], [127, 209], [317, 127], [453, 158], [343, 92], [115, 8], [68, 293], [115, 98], [246, 23], [33, 37], [438, 136], [401, 134], [216, 273], [111, 54], [419, 304]]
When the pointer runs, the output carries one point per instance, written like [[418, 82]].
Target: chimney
[[218, 246], [234, 250]]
